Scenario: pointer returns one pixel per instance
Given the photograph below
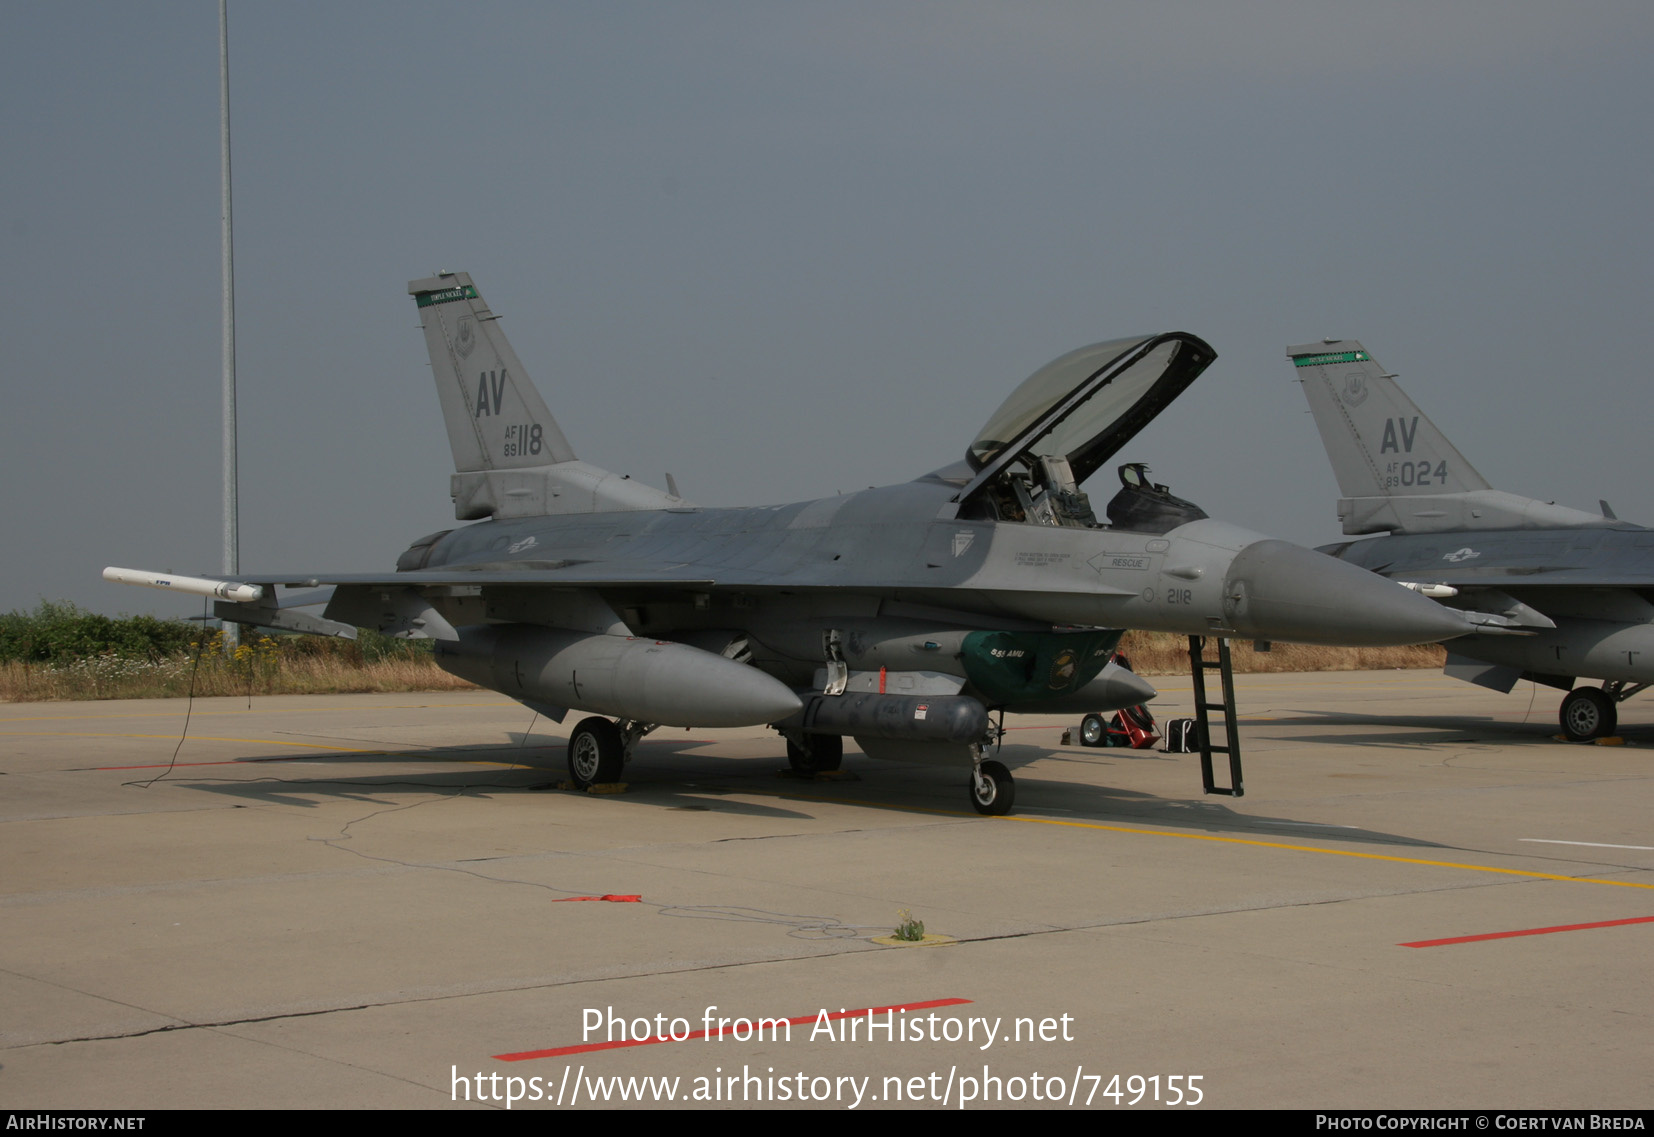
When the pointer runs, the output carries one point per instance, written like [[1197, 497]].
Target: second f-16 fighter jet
[[902, 616], [1556, 594]]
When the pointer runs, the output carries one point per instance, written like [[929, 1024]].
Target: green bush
[[60, 633]]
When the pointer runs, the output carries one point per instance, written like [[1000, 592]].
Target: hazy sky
[[783, 250]]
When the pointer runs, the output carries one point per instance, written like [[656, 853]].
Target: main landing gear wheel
[[1092, 730], [1587, 713], [825, 754], [597, 753], [992, 790]]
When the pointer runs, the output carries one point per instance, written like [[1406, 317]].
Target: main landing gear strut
[[599, 749], [815, 753]]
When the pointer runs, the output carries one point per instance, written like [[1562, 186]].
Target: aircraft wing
[[392, 602], [1512, 582], [396, 602], [1565, 558], [1525, 576], [551, 574]]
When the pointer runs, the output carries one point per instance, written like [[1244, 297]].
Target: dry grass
[[108, 677], [1163, 653], [262, 667]]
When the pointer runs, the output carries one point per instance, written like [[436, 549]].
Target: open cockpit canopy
[[1090, 402], [1070, 417]]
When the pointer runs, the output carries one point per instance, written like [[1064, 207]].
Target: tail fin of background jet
[[510, 456], [1380, 443], [1396, 470]]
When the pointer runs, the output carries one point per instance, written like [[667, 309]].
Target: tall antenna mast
[[232, 550]]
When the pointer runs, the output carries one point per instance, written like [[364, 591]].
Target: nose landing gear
[[993, 791]]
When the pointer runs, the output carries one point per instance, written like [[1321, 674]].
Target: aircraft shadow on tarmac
[[1417, 730], [1108, 804], [512, 769], [674, 775]]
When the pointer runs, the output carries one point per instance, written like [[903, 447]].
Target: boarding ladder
[[1199, 665]]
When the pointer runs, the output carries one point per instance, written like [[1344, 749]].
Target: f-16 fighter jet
[[1556, 594], [904, 617]]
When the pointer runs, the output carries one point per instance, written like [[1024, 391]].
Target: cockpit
[[1066, 421]]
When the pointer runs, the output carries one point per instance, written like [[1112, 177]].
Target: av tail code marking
[[1408, 434], [491, 392]]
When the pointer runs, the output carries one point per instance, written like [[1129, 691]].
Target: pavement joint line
[[377, 1004], [796, 1020], [411, 1000]]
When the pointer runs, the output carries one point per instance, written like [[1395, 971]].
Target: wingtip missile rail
[[191, 585]]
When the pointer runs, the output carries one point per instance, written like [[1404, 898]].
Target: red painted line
[[1531, 932], [800, 1020], [611, 897]]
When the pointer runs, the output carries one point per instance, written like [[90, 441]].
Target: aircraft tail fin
[[1395, 468], [510, 456], [1380, 443], [496, 419]]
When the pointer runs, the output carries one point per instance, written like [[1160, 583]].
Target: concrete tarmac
[[365, 901]]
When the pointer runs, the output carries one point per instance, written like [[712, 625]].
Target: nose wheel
[[1092, 730], [993, 791]]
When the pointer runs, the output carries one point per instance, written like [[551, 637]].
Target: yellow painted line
[[1228, 841], [1330, 852]]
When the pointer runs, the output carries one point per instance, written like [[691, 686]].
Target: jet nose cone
[[1125, 688], [1276, 590]]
